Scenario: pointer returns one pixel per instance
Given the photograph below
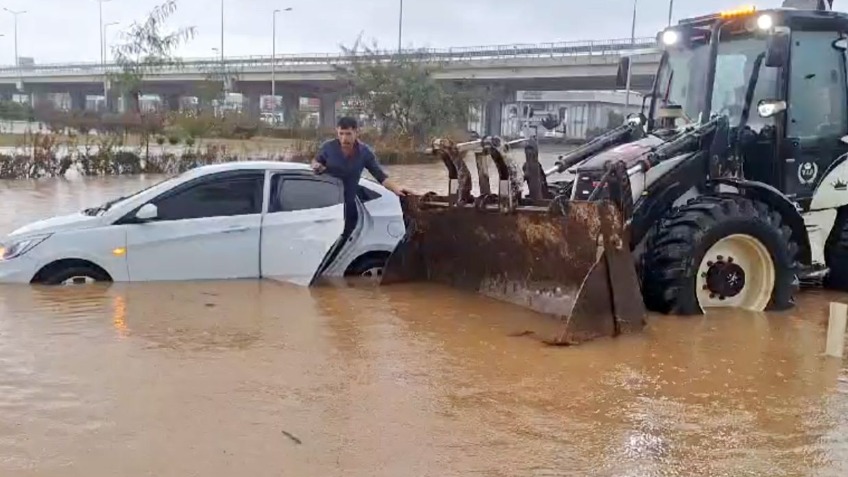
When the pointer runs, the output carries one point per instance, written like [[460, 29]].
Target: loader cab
[[810, 107], [705, 69], [780, 78]]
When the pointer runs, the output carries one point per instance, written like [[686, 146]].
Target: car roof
[[247, 165]]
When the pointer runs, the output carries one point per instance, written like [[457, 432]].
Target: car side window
[[300, 193], [224, 197], [365, 194]]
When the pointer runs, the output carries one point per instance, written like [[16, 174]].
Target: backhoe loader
[[730, 189]]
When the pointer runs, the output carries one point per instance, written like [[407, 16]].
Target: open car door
[[345, 246], [303, 223]]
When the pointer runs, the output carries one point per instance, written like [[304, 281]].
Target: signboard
[[529, 95]]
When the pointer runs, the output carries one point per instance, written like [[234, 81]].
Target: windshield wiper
[[92, 211]]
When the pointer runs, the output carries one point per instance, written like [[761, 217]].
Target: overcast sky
[[67, 30]]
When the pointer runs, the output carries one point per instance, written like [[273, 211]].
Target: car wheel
[[369, 267], [76, 275]]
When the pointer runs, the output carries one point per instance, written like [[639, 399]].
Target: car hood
[[61, 223]]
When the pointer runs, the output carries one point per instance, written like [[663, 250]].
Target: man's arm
[[319, 162], [380, 176]]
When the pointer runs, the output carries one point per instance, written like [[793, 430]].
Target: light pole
[[15, 14], [105, 41], [222, 34], [274, 53], [102, 34], [670, 10], [104, 50], [223, 78], [630, 63], [400, 28]]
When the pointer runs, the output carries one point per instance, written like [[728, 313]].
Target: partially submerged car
[[251, 219]]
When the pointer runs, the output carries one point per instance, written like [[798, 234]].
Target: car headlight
[[16, 248]]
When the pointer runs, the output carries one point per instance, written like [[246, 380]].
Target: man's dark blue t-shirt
[[349, 170]]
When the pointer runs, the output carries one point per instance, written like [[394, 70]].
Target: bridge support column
[[494, 117], [172, 102], [252, 104], [78, 99], [112, 99], [328, 110], [130, 103], [291, 107], [42, 100]]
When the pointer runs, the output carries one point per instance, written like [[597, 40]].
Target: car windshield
[[102, 208]]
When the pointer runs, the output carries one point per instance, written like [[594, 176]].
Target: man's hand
[[397, 189], [402, 191], [317, 167]]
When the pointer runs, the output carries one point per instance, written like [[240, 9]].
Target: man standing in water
[[345, 158]]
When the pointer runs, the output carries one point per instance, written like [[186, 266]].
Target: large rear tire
[[720, 251]]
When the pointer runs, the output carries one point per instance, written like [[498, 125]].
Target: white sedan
[[236, 220]]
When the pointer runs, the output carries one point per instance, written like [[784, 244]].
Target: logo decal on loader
[[807, 172], [840, 184]]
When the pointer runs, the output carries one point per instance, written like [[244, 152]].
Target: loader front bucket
[[572, 262]]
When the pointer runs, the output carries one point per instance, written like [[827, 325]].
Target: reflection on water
[[265, 379]]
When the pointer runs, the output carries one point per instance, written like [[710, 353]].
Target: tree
[[147, 48], [401, 94]]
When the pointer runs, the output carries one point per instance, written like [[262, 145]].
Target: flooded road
[[259, 378]]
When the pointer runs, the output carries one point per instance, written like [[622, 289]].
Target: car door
[[206, 229], [304, 220]]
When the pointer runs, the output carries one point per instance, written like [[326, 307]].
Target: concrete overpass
[[501, 69]]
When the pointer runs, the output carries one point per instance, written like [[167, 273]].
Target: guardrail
[[449, 55]]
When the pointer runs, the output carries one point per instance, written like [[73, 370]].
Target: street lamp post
[[102, 34], [104, 50], [223, 78], [15, 14], [400, 28], [274, 53], [630, 63], [222, 42], [670, 10]]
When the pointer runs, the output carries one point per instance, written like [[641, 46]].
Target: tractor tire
[[720, 251], [836, 254]]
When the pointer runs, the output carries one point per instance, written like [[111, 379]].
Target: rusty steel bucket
[[571, 261]]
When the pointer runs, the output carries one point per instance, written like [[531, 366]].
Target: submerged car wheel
[[75, 275], [368, 267]]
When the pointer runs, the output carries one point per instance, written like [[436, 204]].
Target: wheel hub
[[373, 272], [724, 278]]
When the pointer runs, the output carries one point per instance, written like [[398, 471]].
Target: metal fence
[[446, 55]]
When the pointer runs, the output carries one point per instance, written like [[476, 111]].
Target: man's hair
[[347, 122]]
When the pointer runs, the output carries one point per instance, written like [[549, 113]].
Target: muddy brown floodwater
[[258, 378]]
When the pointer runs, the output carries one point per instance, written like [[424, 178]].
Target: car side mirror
[[777, 47], [147, 212], [769, 107]]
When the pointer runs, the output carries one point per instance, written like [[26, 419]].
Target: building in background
[[572, 115]]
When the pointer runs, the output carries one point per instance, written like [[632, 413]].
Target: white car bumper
[[17, 270]]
